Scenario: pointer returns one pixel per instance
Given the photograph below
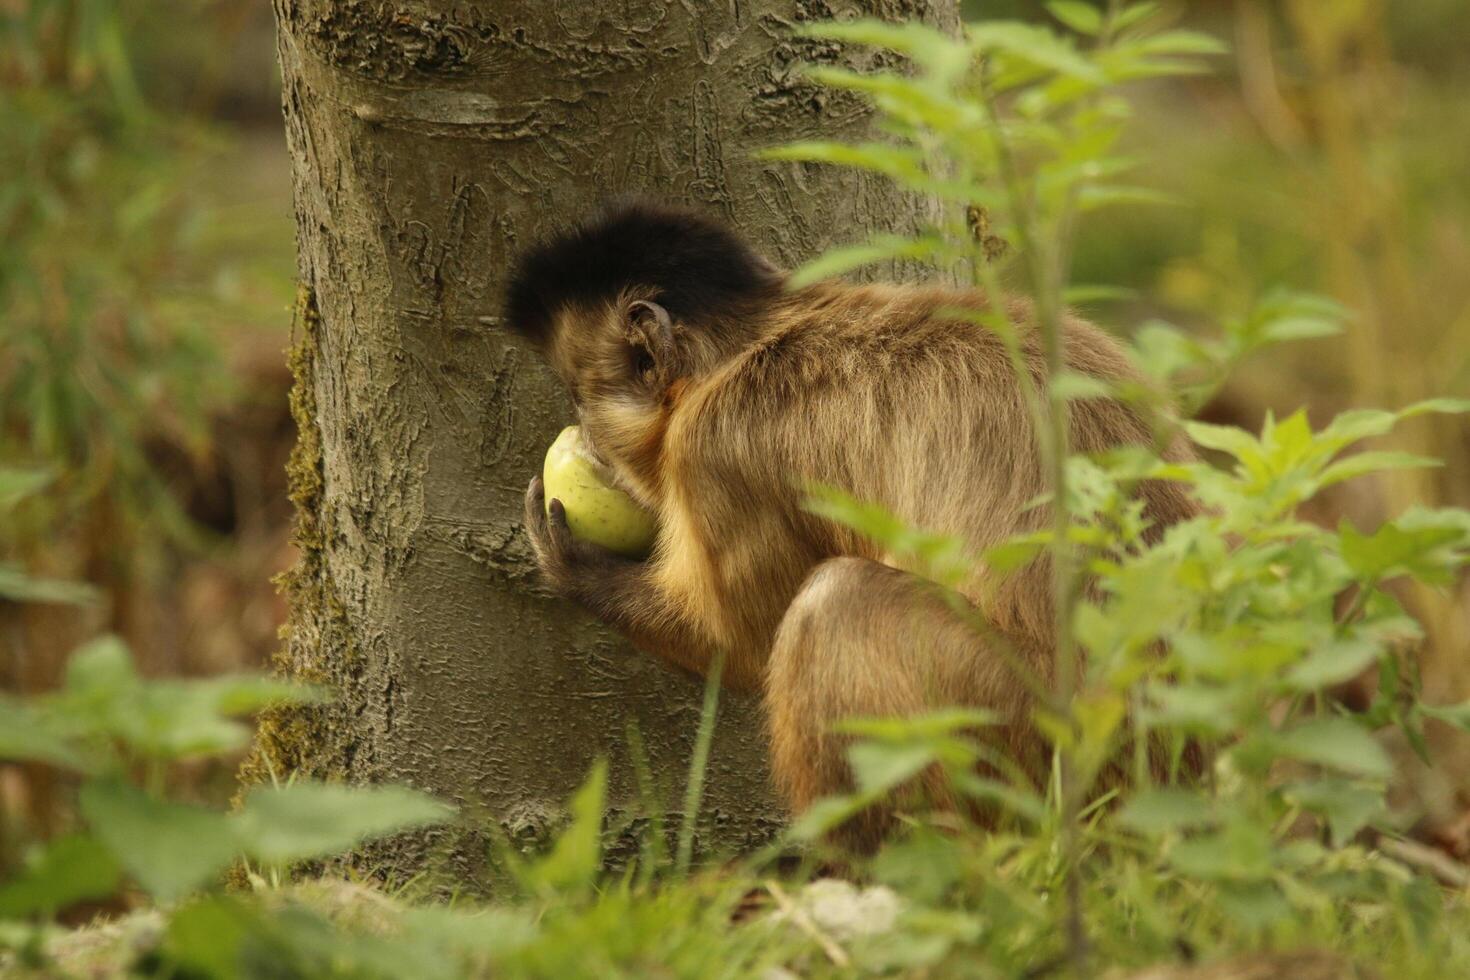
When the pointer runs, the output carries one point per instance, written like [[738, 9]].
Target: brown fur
[[903, 651], [872, 389]]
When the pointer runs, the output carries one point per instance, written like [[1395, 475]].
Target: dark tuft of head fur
[[697, 265]]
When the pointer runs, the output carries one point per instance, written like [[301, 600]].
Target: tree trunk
[[429, 142]]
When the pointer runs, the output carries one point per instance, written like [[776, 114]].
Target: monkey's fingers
[[535, 513], [560, 534], [535, 501]]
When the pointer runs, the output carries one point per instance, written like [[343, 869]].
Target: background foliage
[[145, 266]]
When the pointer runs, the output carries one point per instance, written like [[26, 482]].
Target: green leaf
[[168, 848], [165, 719], [1457, 715], [1425, 550], [101, 669], [1036, 45], [1347, 807], [1358, 424], [1080, 387], [1091, 197], [1284, 315], [907, 101], [1300, 328], [940, 557], [1364, 463], [206, 937], [1125, 63], [310, 820], [1333, 663], [1098, 717], [1083, 18], [247, 694], [1288, 443], [1440, 406], [1013, 799], [1159, 811], [1254, 905], [1193, 708], [1419, 518], [1180, 42], [825, 815], [68, 870], [878, 767], [881, 248], [1163, 350], [1017, 552], [1134, 14], [490, 933], [575, 858], [17, 586], [1226, 439], [1334, 742], [870, 520], [930, 48], [1239, 851], [228, 937], [31, 735], [179, 719], [16, 485], [1083, 295], [173, 720], [929, 725], [904, 164]]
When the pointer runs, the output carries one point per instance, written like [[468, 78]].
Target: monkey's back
[[881, 391]]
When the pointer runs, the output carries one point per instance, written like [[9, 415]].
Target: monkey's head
[[626, 307]]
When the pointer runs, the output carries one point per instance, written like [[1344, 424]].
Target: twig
[[804, 922], [1422, 858]]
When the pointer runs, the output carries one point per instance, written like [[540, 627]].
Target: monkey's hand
[[575, 569], [616, 589]]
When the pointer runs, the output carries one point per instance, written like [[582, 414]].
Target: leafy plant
[[1220, 634], [16, 585], [121, 733]]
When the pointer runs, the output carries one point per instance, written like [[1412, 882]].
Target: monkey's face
[[618, 361]]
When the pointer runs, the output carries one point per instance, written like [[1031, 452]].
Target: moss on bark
[[290, 739]]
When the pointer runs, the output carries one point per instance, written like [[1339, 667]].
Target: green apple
[[597, 512]]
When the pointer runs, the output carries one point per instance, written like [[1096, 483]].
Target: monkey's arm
[[619, 591]]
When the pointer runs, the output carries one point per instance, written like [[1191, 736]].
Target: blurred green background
[[146, 274]]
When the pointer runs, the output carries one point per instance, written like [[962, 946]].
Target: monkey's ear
[[650, 333]]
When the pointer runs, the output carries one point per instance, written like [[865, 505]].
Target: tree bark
[[429, 142]]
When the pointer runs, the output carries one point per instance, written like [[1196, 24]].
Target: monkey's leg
[[864, 639]]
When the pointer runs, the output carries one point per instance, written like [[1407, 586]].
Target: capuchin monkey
[[713, 392]]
